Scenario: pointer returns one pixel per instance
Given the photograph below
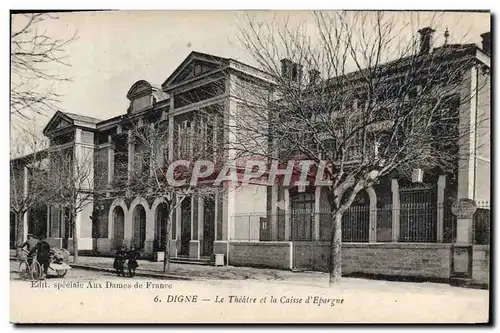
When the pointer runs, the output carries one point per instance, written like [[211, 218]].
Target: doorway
[[208, 227], [118, 226], [185, 226]]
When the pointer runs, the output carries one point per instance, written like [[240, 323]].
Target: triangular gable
[[195, 68], [194, 65], [57, 122]]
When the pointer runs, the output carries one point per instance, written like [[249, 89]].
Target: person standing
[[42, 250], [132, 256], [120, 257], [30, 244]]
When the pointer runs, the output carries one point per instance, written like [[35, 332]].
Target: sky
[[116, 49]]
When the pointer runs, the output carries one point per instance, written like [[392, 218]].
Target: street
[[90, 296], [73, 274]]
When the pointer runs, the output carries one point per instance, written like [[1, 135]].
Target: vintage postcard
[[250, 167]]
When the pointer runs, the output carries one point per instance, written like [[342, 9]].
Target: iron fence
[[482, 224], [416, 223]]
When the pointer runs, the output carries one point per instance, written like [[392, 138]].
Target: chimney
[[314, 77], [291, 70], [486, 42], [426, 40], [297, 73], [286, 68]]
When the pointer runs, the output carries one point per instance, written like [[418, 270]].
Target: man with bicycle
[[30, 243], [42, 250]]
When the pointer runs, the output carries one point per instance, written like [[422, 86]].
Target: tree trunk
[[166, 257], [335, 265], [19, 233], [75, 239]]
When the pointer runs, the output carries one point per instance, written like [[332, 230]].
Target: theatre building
[[395, 227], [201, 225]]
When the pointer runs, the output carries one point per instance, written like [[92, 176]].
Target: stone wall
[[396, 259], [481, 264], [260, 254]]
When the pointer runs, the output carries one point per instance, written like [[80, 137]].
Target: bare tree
[[71, 183], [35, 55], [151, 177], [27, 171], [376, 101]]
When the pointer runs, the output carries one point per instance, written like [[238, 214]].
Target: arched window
[[139, 227], [118, 226]]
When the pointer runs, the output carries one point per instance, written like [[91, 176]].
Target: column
[[78, 150], [216, 216], [84, 224], [178, 219], [170, 139], [288, 228], [395, 209], [201, 203], [467, 140], [372, 234], [154, 151], [111, 160], [150, 229], [194, 243], [131, 154], [317, 212], [25, 226], [25, 215], [62, 223], [49, 232], [440, 208], [128, 223], [274, 212]]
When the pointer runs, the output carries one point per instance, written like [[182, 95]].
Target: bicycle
[[33, 271]]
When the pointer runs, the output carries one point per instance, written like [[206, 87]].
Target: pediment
[[62, 124], [196, 64], [58, 122], [194, 69]]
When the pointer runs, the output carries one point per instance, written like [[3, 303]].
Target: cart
[[59, 268]]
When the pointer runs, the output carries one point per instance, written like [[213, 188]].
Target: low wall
[[481, 264], [260, 254], [194, 249], [220, 247], [397, 259], [173, 248], [58, 242], [104, 246]]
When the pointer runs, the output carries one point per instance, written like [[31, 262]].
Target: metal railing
[[417, 223]]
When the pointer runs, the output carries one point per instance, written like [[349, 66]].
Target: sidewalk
[[186, 271], [191, 272], [206, 273]]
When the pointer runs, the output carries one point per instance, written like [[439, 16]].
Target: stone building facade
[[255, 225]]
